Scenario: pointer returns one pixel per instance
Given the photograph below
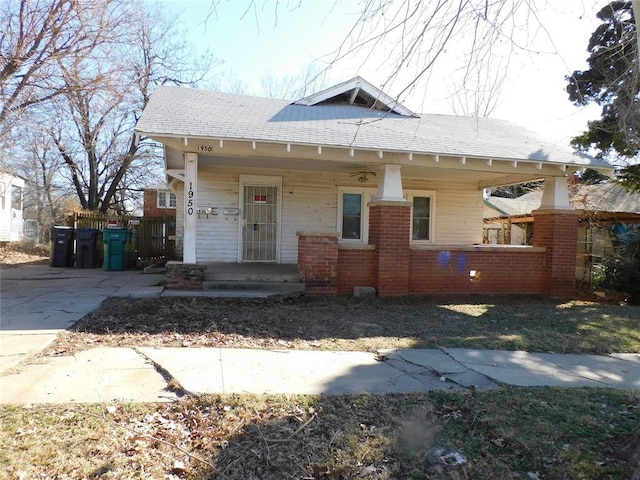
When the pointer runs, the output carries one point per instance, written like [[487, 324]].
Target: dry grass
[[17, 253], [530, 324], [508, 434]]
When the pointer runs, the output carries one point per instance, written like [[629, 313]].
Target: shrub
[[621, 272]]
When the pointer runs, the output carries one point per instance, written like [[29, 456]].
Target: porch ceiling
[[485, 172]]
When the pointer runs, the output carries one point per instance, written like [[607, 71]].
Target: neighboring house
[[608, 217], [357, 190], [159, 201], [498, 213], [11, 206]]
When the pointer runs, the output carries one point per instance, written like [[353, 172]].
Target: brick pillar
[[557, 231], [318, 262], [184, 276], [389, 231]]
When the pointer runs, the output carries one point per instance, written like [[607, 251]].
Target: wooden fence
[[153, 237]]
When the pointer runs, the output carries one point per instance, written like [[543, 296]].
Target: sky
[[284, 37]]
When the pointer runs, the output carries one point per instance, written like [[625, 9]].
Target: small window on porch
[[421, 218], [422, 215], [352, 216], [353, 213]]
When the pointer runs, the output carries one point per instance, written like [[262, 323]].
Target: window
[[422, 206], [166, 199], [3, 189], [16, 197], [420, 218], [353, 213], [352, 216]]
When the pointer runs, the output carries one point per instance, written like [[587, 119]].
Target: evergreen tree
[[613, 82]]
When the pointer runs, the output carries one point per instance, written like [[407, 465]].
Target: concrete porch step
[[252, 272]]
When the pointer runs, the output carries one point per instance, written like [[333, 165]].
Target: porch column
[[389, 231], [390, 184], [555, 227], [190, 203]]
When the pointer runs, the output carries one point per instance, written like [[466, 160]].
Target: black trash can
[[61, 254], [88, 248]]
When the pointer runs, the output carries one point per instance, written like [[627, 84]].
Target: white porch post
[[390, 184], [190, 203], [555, 195]]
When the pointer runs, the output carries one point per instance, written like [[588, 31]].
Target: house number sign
[[204, 148], [190, 199]]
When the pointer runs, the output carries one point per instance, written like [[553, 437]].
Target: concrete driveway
[[38, 301]]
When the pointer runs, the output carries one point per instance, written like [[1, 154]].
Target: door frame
[[259, 181]]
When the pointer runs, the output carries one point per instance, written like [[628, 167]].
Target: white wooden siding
[[309, 203], [458, 216], [218, 234], [11, 220]]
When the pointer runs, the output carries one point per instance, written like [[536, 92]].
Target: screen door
[[259, 223]]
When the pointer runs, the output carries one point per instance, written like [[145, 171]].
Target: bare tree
[[38, 37], [408, 38], [91, 118]]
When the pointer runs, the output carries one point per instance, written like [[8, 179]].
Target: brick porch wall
[[498, 270], [318, 262], [393, 267], [184, 276], [357, 267], [502, 270]]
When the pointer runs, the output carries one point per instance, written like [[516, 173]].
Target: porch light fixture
[[362, 175]]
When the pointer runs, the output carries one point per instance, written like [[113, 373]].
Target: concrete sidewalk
[[38, 302], [143, 374]]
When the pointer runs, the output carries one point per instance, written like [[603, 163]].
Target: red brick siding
[[318, 262], [184, 276], [393, 268], [356, 268], [557, 231], [500, 272], [389, 230]]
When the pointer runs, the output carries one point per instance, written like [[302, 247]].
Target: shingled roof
[[601, 197], [193, 113]]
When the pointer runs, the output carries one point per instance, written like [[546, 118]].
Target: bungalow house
[[11, 207], [608, 217], [354, 189]]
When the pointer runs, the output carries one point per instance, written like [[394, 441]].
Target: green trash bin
[[116, 248]]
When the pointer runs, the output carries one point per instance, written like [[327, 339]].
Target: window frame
[[366, 195], [19, 190], [167, 195], [410, 195]]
